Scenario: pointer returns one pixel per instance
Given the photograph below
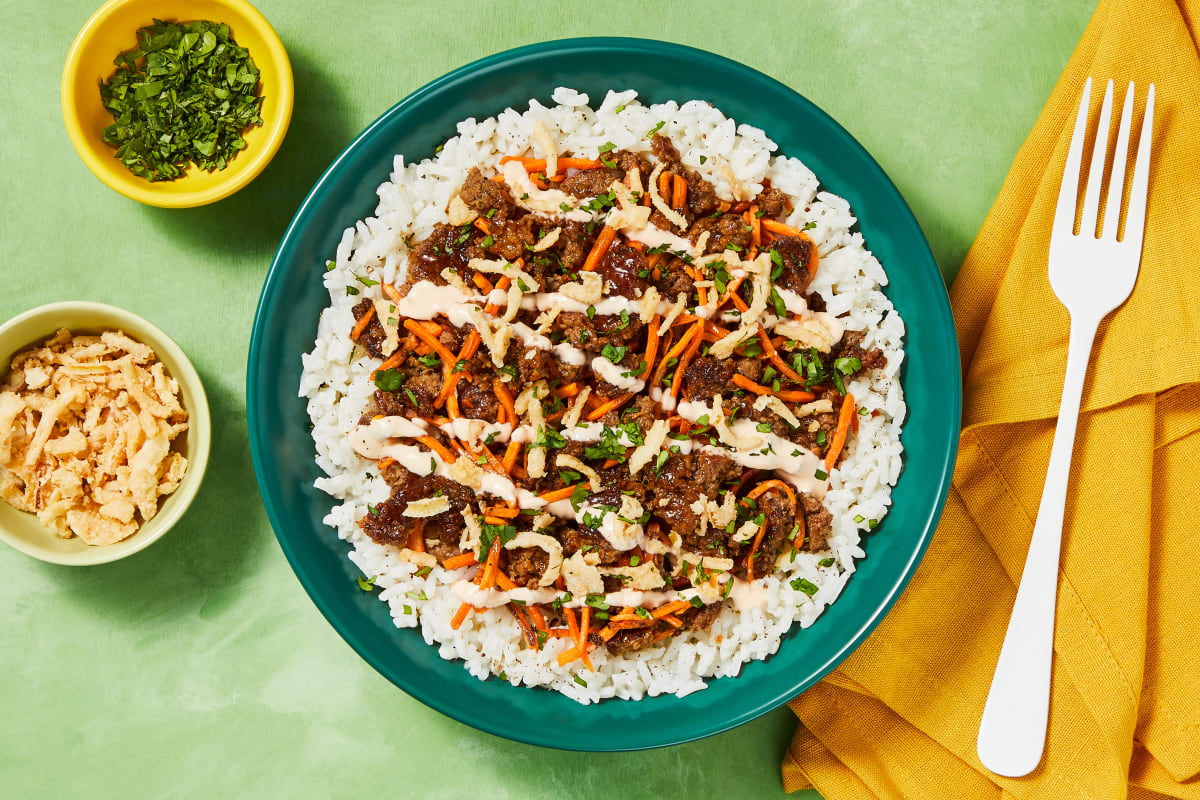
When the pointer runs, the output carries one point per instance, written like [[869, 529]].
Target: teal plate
[[286, 325]]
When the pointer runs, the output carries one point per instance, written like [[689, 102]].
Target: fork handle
[[1012, 733]]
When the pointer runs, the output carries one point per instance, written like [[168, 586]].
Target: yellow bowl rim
[[143, 191], [199, 426]]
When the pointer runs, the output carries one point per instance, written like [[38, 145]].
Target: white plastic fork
[[1091, 273]]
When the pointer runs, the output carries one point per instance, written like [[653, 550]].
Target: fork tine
[[1116, 182], [1095, 177], [1068, 190], [1135, 219]]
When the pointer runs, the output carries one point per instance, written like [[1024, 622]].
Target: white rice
[[849, 279]]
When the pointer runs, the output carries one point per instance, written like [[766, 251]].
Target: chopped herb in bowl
[[183, 96]]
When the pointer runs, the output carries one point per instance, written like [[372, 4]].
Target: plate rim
[[942, 310]]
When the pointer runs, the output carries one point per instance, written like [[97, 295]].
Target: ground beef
[[780, 512], [725, 230], [773, 203], [622, 268], [850, 346], [816, 431], [576, 539], [627, 161], [526, 565], [587, 183], [752, 368], [425, 383], [483, 194], [706, 376], [795, 253], [701, 619], [593, 334], [664, 150], [675, 281], [477, 399], [510, 236], [440, 250], [702, 199], [372, 337], [818, 523], [682, 481], [389, 525], [630, 639]]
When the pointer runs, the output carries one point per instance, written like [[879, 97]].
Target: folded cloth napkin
[[899, 718]]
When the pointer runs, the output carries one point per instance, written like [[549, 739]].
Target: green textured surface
[[199, 667]]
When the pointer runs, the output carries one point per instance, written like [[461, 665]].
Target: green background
[[199, 668]]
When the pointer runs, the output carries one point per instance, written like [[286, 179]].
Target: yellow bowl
[[112, 30], [22, 530]]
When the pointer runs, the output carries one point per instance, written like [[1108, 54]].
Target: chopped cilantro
[[802, 585], [389, 380]]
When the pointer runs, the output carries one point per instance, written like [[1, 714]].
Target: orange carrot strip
[[503, 511], [768, 485], [687, 356], [419, 331], [607, 633], [539, 164], [603, 242], [730, 291], [749, 385], [506, 399], [490, 565], [567, 390], [678, 192], [457, 620], [795, 396], [758, 537], [616, 402], [783, 230], [482, 282], [437, 447], [669, 608], [416, 537], [755, 224], [572, 626], [526, 629], [481, 225], [391, 361], [558, 494], [673, 621], [684, 340], [664, 185], [384, 463], [504, 582], [609, 462], [651, 346], [392, 293], [510, 456], [362, 323], [779, 363], [839, 436], [461, 560]]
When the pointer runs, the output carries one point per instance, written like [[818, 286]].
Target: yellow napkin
[[899, 718]]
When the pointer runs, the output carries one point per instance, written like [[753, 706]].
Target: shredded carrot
[[503, 511], [603, 242], [685, 340], [452, 406], [702, 291], [461, 560], [738, 302], [839, 436], [730, 290], [526, 629], [684, 359], [636, 245], [783, 230], [506, 399], [749, 385], [768, 485], [724, 206], [490, 566], [616, 402], [437, 447], [758, 537], [607, 633], [669, 608], [416, 537], [510, 456], [504, 582], [651, 345], [492, 520], [391, 361], [664, 185], [779, 363], [559, 494], [419, 331], [585, 620], [567, 656], [609, 462], [362, 323], [755, 224], [567, 390], [481, 224], [539, 164], [795, 396], [673, 621], [392, 292], [457, 620], [482, 282], [432, 327], [384, 463], [678, 192]]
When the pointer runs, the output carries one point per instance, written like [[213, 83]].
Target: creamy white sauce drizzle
[[616, 375], [653, 236], [746, 595], [468, 592], [565, 352]]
